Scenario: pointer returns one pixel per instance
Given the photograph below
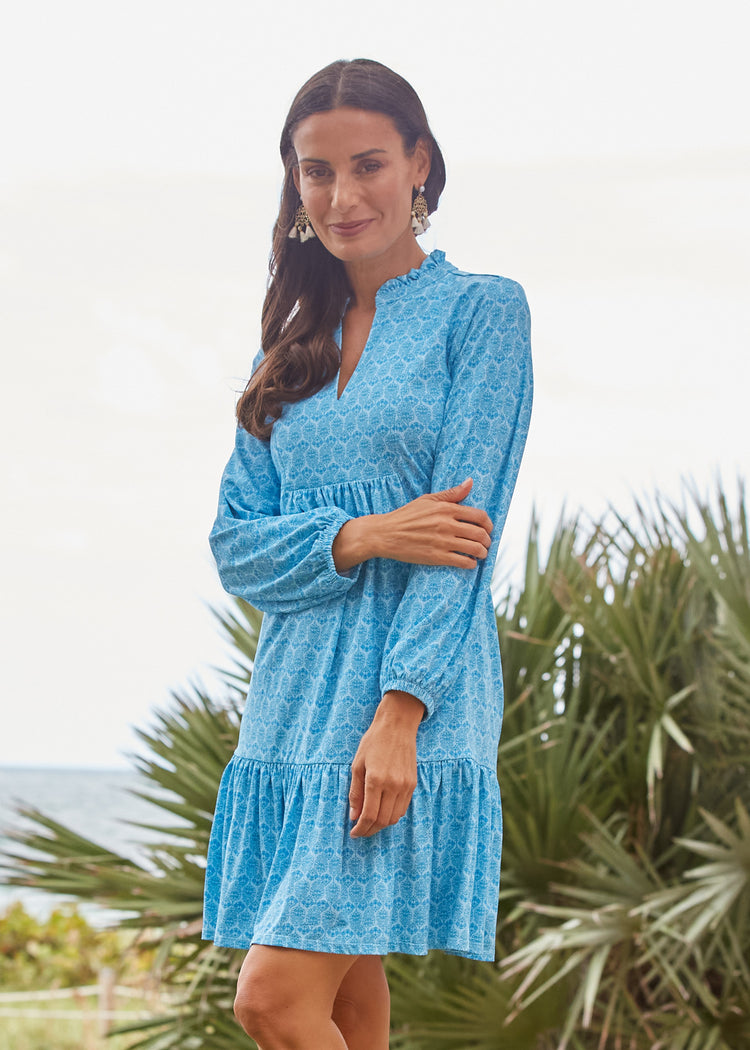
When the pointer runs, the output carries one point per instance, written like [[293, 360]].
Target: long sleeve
[[277, 562], [483, 434]]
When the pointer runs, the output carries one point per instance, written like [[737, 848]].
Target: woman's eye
[[316, 173], [370, 166]]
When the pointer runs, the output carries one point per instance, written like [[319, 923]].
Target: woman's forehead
[[344, 132]]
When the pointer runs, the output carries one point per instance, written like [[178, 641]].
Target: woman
[[360, 813]]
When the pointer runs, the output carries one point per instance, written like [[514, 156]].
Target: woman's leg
[[285, 997], [362, 1007]]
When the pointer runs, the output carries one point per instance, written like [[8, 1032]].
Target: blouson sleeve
[[483, 435], [277, 562]]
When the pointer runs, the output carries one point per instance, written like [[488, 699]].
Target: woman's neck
[[367, 275]]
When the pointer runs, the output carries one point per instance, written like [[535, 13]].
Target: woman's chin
[[366, 246], [353, 248]]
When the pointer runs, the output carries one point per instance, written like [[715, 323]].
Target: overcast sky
[[599, 154]]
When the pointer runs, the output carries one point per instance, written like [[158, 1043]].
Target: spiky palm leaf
[[626, 657], [661, 648], [556, 745], [186, 751], [649, 951], [443, 1002]]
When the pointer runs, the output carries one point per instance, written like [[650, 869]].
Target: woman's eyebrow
[[367, 153], [355, 156]]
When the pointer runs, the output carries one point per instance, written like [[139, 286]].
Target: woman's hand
[[384, 770], [434, 529]]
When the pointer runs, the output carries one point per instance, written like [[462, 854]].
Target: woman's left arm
[[483, 437]]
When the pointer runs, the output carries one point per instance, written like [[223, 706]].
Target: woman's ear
[[423, 159], [295, 176]]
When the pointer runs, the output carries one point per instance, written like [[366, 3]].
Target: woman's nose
[[344, 193]]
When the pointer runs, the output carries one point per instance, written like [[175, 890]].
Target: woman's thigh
[[362, 1007], [365, 977]]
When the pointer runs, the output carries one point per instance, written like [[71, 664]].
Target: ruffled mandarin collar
[[431, 267]]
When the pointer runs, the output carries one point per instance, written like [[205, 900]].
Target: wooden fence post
[[106, 997]]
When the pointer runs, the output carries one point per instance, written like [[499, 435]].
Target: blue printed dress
[[441, 392]]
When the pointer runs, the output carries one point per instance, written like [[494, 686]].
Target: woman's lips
[[349, 229]]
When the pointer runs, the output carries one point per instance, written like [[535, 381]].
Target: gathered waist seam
[[283, 764], [337, 484]]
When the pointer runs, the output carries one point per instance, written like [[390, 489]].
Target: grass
[[58, 1033]]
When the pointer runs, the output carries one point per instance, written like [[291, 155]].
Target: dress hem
[[296, 938]]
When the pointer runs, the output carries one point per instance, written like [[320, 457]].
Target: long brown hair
[[308, 287]]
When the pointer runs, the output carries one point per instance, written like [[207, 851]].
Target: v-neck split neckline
[[359, 359], [387, 290]]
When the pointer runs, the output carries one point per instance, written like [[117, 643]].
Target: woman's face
[[356, 181]]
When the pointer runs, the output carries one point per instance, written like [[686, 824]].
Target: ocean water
[[95, 803]]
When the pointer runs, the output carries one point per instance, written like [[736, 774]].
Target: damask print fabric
[[442, 392]]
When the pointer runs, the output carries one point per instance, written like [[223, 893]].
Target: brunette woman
[[361, 813]]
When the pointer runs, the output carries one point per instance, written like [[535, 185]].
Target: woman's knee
[[282, 991], [260, 1002]]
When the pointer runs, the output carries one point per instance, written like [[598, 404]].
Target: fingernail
[[351, 814]]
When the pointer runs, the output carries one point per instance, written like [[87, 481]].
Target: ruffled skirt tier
[[283, 869]]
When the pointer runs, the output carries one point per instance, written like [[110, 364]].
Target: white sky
[[598, 154]]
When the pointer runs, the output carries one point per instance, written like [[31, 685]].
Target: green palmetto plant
[[624, 916], [162, 896], [653, 950]]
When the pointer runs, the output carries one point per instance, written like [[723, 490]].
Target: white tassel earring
[[302, 229], [419, 221]]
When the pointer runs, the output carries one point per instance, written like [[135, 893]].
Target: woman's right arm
[[287, 562], [434, 529], [277, 562]]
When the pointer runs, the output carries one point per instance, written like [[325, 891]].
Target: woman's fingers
[[473, 516], [377, 813], [368, 815], [381, 807], [357, 792], [456, 493], [474, 542], [455, 521], [456, 542]]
